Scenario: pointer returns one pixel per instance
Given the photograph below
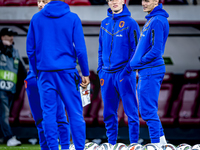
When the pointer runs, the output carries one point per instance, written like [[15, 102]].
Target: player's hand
[[85, 82]]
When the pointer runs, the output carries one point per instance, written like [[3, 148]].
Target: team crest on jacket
[[102, 82], [121, 24]]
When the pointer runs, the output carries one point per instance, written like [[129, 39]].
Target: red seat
[[25, 116], [184, 106], [80, 2], [120, 114], [91, 119], [14, 2], [68, 2], [31, 2], [172, 119], [194, 121], [90, 112], [1, 2], [16, 107], [164, 99], [190, 97], [100, 112]]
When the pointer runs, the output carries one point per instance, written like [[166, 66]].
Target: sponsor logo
[[119, 35]]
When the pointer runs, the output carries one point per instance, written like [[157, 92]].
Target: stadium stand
[[1, 2], [16, 108], [190, 95], [91, 117], [80, 2], [31, 3], [25, 116], [68, 2], [14, 2]]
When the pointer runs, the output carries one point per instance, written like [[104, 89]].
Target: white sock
[[157, 144], [163, 140]]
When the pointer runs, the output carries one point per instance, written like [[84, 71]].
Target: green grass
[[22, 147]]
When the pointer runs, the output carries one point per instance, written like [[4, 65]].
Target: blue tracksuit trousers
[[149, 83], [64, 84], [113, 89], [34, 102]]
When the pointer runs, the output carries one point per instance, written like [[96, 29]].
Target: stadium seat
[[80, 2], [194, 121], [184, 106], [90, 112], [68, 2], [31, 2], [14, 2], [100, 113], [91, 119], [190, 95], [1, 2], [164, 99], [25, 116], [16, 107]]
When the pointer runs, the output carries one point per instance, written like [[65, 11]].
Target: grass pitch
[[22, 147]]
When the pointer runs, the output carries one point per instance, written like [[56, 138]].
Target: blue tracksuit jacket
[[52, 53], [150, 64], [152, 40], [114, 40], [54, 40], [118, 38]]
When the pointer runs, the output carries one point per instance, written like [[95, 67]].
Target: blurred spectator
[[10, 69]]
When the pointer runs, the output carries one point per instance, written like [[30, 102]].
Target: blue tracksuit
[[34, 102], [150, 64], [53, 34], [117, 42]]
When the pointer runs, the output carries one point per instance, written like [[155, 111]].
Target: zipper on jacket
[[111, 43], [152, 37], [135, 37]]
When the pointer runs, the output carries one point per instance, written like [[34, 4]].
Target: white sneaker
[[13, 142]]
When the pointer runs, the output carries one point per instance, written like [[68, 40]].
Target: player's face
[[41, 3], [7, 38], [149, 5], [116, 5]]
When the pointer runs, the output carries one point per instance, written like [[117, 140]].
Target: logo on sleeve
[[121, 24]]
